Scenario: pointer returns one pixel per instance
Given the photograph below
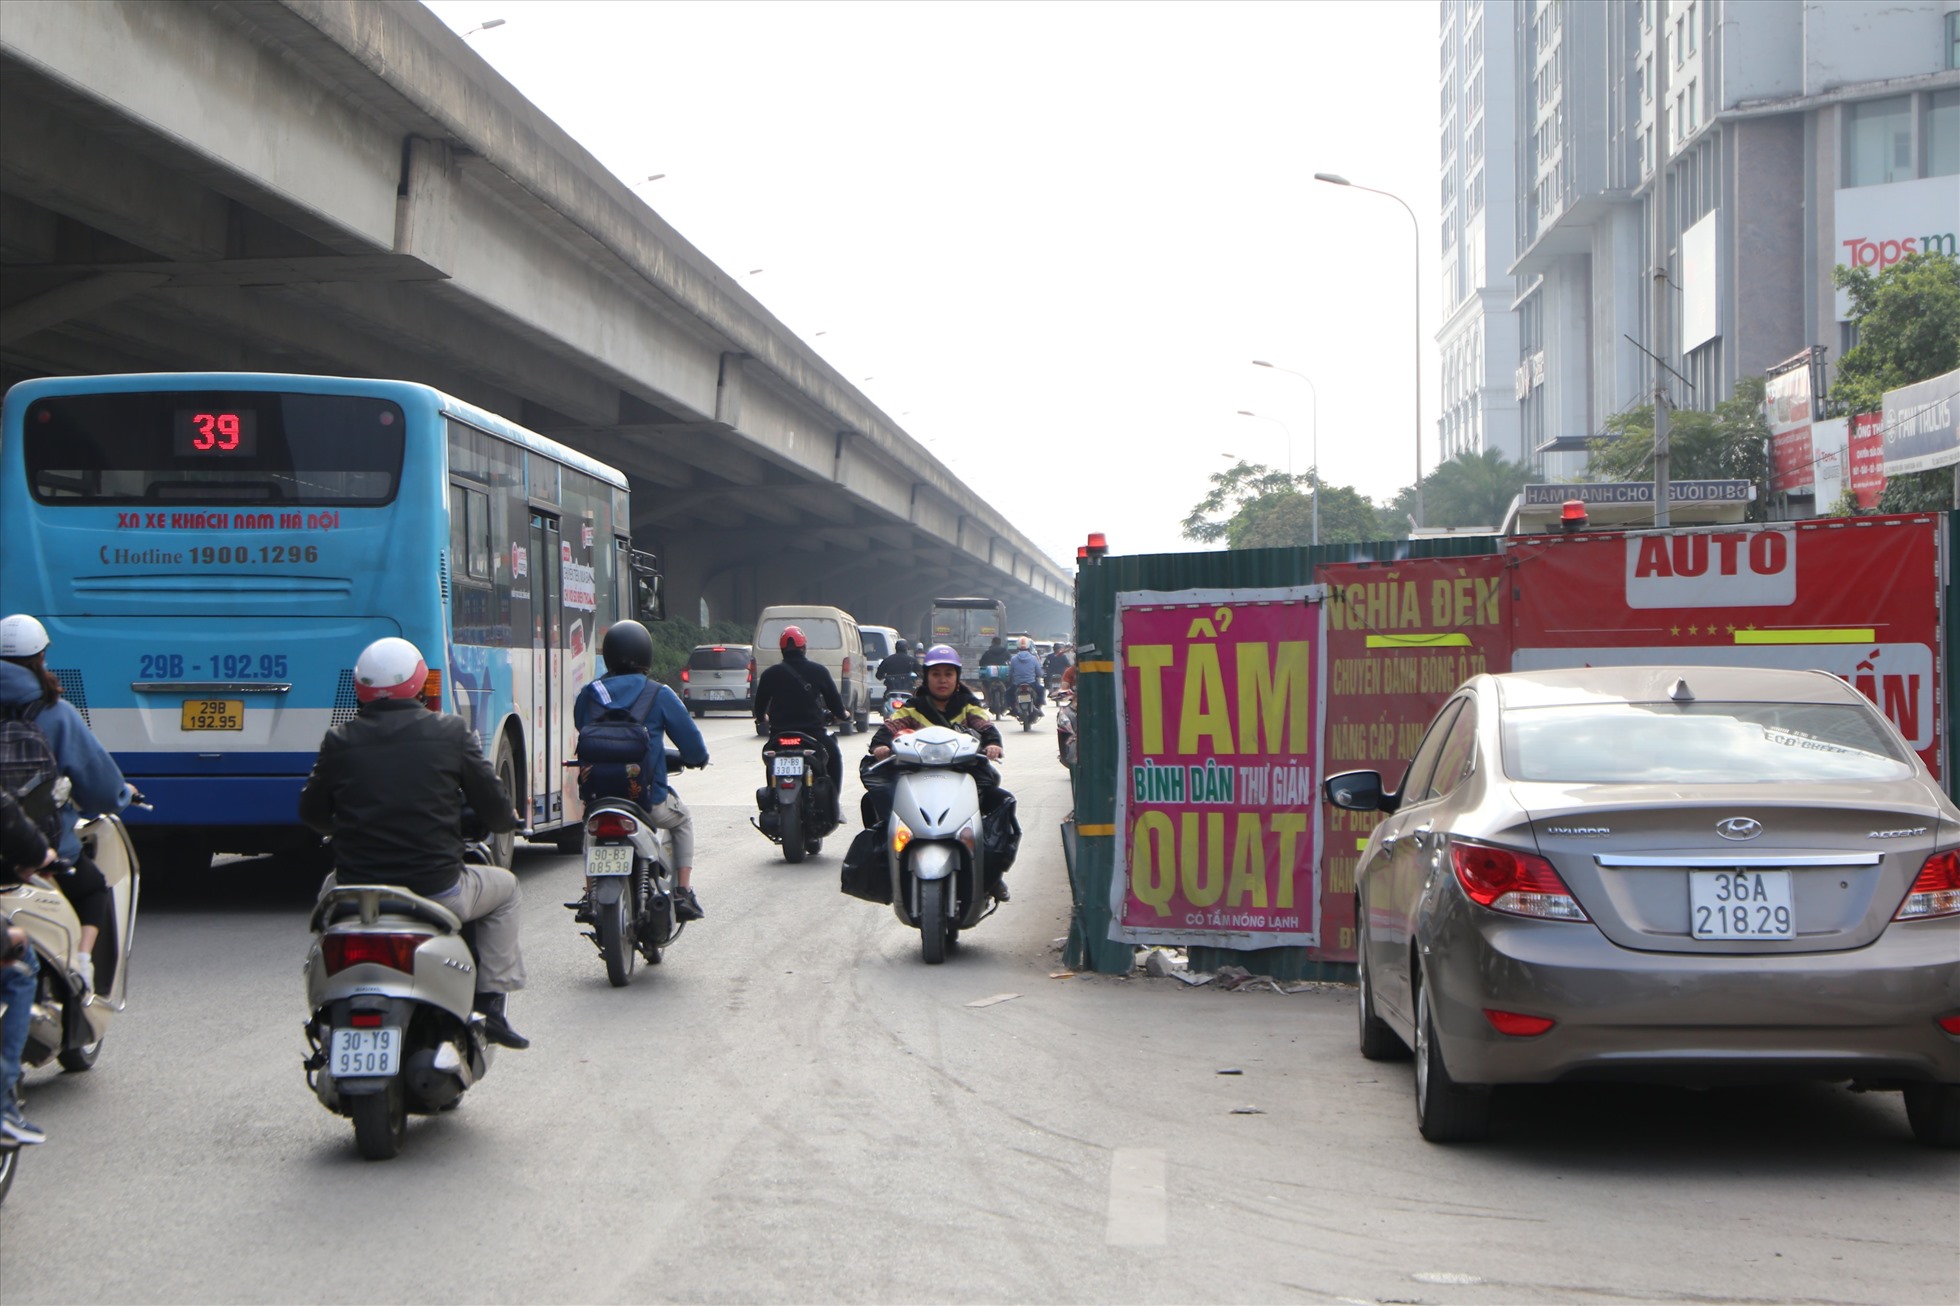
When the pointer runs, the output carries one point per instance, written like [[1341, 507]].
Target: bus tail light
[[432, 691]]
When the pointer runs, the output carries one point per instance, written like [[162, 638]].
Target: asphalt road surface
[[792, 1108]]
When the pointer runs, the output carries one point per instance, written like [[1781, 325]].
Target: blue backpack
[[612, 747]]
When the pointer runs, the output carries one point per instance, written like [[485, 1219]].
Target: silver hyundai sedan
[[1681, 875]]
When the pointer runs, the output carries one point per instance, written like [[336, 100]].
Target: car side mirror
[[1358, 791]]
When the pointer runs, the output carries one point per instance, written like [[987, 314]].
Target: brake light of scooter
[[365, 1020], [611, 825], [791, 742], [395, 951]]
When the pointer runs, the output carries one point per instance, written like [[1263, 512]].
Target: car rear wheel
[[1378, 1041], [1933, 1111], [1446, 1111]]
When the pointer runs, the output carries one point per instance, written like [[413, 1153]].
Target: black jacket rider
[[899, 664], [794, 695], [389, 786]]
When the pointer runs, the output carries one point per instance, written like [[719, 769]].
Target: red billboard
[[1858, 597]]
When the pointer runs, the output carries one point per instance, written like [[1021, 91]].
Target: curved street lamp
[[1315, 393], [484, 27], [1335, 179]]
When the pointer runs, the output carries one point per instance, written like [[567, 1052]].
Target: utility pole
[[1657, 332]]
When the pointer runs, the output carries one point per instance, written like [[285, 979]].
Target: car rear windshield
[[822, 632], [875, 646], [1701, 743], [178, 447], [718, 659]]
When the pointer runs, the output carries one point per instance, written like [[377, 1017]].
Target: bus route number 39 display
[[214, 714]]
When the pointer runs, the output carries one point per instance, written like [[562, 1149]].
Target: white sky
[[1053, 236]]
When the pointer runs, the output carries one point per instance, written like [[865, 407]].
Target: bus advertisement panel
[[211, 551]]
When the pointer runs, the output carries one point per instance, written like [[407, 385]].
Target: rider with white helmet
[[389, 785]]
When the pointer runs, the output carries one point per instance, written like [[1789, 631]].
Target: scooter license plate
[[789, 766], [609, 859], [359, 1053]]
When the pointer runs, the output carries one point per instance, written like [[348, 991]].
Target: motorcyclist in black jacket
[[795, 694], [901, 663], [389, 786]]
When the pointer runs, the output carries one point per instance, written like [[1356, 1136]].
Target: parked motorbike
[[391, 983], [629, 878], [1026, 708], [936, 846], [1064, 701], [797, 804]]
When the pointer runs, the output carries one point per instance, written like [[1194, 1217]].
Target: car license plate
[[609, 859], [789, 766], [717, 693], [1740, 905], [356, 1053], [214, 714]]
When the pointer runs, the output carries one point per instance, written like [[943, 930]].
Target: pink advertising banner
[[1218, 814]]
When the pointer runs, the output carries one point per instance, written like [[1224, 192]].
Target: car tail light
[[1951, 1024], [1521, 884], [1936, 892], [395, 951], [1517, 1024], [611, 825], [683, 675], [847, 666]]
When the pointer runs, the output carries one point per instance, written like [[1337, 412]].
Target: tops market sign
[[1879, 225]]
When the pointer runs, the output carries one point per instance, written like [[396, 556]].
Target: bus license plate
[[789, 766], [214, 714], [609, 859], [359, 1053], [1740, 905]]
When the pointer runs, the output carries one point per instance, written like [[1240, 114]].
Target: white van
[[834, 641], [880, 642]]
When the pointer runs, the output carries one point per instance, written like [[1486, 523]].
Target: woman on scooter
[[30, 690]]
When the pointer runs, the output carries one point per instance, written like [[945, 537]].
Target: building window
[[1694, 106], [1878, 141], [1691, 28], [1953, 39], [1943, 130]]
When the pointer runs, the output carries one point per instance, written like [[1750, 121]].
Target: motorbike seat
[[368, 902]]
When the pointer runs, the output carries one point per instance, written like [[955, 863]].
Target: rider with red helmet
[[389, 785], [796, 694]]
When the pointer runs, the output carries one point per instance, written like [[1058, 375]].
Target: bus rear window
[[206, 447]]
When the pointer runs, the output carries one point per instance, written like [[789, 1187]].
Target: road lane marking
[[1138, 1203]]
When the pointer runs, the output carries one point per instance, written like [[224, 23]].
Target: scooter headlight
[[901, 835], [937, 753]]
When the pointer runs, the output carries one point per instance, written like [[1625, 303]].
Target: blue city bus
[[210, 551]]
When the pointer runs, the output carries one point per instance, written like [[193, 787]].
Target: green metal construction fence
[[1089, 839]]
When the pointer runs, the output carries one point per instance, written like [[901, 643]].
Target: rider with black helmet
[[901, 666], [628, 653], [796, 694]]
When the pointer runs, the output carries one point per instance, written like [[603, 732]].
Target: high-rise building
[[1798, 135], [1478, 342]]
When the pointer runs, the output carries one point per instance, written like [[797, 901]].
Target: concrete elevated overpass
[[344, 187]]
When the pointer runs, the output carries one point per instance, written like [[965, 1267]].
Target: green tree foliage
[[1729, 444], [1252, 506], [1908, 319], [1472, 490]]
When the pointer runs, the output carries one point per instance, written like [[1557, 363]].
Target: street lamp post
[[484, 27], [1335, 179], [1315, 394]]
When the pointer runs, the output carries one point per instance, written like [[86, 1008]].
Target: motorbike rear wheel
[[615, 930], [934, 927], [380, 1121], [9, 1162], [792, 818], [82, 1057]]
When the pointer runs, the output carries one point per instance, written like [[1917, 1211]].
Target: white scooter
[[935, 843], [391, 983], [69, 1019]]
